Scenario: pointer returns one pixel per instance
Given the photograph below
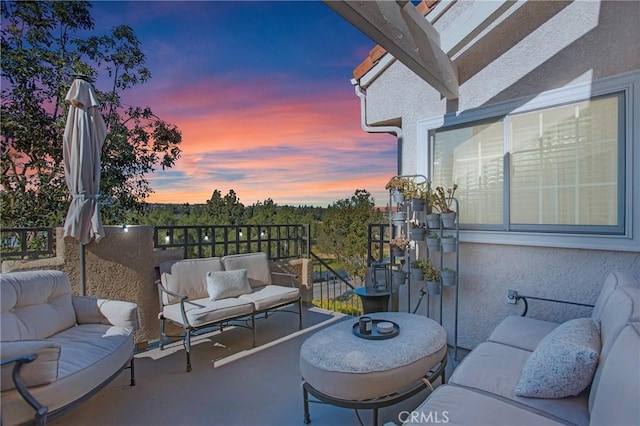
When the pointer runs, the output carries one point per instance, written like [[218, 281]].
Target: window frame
[[625, 239]]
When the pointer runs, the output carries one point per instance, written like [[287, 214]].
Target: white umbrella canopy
[[84, 135]]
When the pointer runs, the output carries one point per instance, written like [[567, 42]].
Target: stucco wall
[[122, 267], [535, 47]]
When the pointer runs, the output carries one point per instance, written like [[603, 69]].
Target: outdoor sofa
[[197, 294], [584, 372], [58, 349]]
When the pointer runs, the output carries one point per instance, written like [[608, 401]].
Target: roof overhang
[[398, 27]]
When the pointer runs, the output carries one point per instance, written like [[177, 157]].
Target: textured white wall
[[537, 47]]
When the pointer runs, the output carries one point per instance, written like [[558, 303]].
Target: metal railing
[[333, 290], [27, 243], [278, 241]]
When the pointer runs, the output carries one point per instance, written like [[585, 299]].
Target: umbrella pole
[[83, 272]]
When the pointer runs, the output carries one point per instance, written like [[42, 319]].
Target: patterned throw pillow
[[563, 363], [225, 284]]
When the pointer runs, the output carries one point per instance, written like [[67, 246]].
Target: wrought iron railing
[[27, 243], [333, 290], [278, 241]]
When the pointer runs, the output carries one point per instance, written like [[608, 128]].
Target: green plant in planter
[[430, 272], [417, 190], [418, 264]]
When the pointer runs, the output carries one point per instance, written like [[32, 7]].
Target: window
[[558, 169], [564, 168]]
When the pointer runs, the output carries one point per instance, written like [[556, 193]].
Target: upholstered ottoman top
[[338, 363]]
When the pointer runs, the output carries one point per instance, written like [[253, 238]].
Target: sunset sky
[[261, 92]]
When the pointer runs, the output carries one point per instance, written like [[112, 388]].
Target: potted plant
[[433, 220], [448, 276], [418, 193], [432, 277], [433, 242], [417, 231], [417, 269], [397, 186], [399, 244], [448, 243], [442, 202]]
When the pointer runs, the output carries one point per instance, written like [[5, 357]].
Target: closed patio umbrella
[[84, 135]]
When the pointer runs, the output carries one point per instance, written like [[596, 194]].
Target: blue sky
[[262, 94]]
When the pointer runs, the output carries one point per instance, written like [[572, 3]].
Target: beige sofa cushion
[[521, 332], [256, 264], [204, 311], [618, 394], [43, 370], [90, 354], [35, 305], [456, 406], [187, 277], [271, 296], [496, 368], [90, 310], [614, 280]]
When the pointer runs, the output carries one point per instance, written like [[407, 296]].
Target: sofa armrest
[[90, 310], [278, 277], [17, 380], [41, 372]]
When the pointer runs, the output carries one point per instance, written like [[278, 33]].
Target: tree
[[345, 230], [227, 210], [41, 50]]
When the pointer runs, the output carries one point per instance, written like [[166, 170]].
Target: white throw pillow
[[563, 363], [225, 284]]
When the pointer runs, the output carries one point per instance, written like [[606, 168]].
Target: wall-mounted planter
[[448, 219], [397, 252], [448, 243], [433, 244], [433, 287], [417, 204], [398, 218], [398, 197], [417, 274], [448, 277], [417, 234], [433, 221]]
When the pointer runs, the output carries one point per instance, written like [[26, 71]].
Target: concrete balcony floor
[[231, 383]]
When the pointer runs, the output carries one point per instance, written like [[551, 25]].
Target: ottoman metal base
[[374, 403]]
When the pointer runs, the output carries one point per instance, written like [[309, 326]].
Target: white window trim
[[628, 83]]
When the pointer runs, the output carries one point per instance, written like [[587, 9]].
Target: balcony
[[231, 384]]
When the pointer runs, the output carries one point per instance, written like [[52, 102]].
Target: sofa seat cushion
[[270, 296], [41, 371], [205, 311], [35, 305], [90, 354], [454, 405], [563, 363], [521, 332], [496, 368]]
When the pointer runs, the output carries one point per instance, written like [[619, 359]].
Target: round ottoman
[[341, 365]]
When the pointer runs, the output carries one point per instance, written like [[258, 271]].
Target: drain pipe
[[394, 130]]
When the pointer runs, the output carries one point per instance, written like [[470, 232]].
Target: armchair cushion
[[90, 310], [225, 284], [42, 371], [564, 362]]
